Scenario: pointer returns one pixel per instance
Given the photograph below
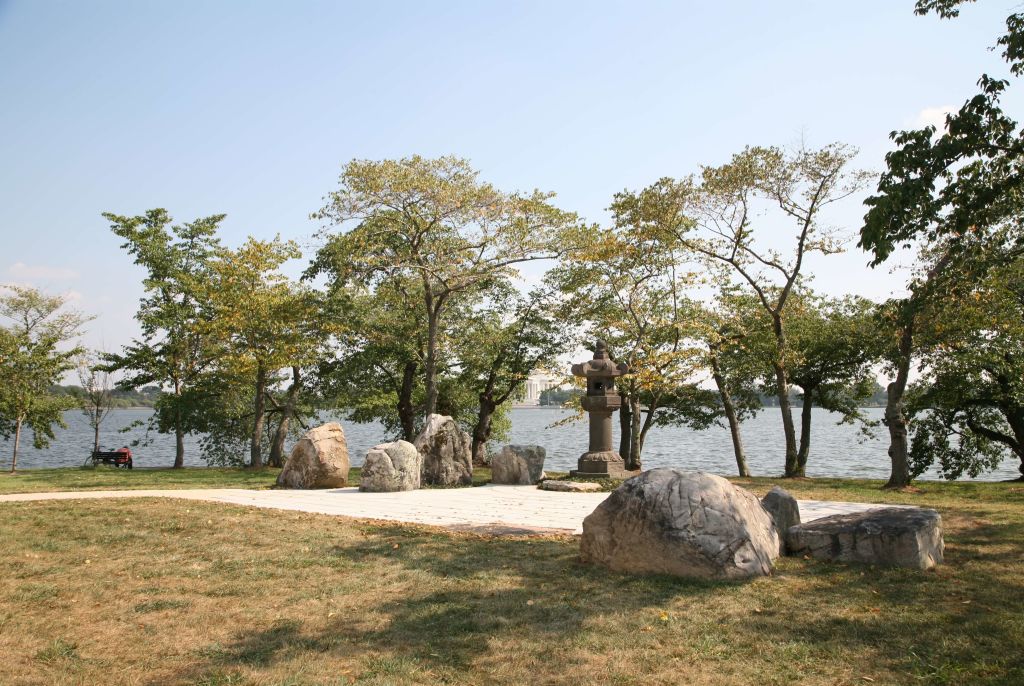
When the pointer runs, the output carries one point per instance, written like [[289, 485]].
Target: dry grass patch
[[165, 592]]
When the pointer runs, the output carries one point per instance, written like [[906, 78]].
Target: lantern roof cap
[[602, 365]]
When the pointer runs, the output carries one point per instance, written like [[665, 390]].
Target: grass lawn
[[113, 479], [164, 592]]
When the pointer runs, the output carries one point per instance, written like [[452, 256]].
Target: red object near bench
[[122, 457]]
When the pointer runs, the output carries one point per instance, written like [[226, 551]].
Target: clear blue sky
[[251, 108]]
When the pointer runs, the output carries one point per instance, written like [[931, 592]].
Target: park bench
[[122, 457]]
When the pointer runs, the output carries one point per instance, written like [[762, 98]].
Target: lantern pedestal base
[[607, 464]]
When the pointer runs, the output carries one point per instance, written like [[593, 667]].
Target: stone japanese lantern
[[600, 402]]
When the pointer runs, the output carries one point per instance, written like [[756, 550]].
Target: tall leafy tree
[[435, 222], [836, 346], [955, 189], [36, 350], [502, 343], [262, 324], [625, 287], [174, 351], [718, 217]]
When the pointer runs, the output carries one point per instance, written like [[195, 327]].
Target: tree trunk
[[259, 407], [782, 389], [894, 419], [179, 433], [17, 442], [276, 458], [482, 431], [406, 413], [95, 437], [277, 445], [625, 427], [642, 437], [430, 364], [730, 414], [805, 432], [633, 458]]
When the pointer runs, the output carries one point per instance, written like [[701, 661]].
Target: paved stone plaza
[[496, 509]]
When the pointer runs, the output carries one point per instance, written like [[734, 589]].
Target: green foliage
[[432, 222], [35, 352], [174, 350]]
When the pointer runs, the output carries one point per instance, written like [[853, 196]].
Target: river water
[[836, 450]]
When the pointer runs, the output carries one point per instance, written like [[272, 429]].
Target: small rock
[[518, 464], [690, 524], [785, 512], [447, 456], [570, 486], [318, 460], [889, 536], [391, 467]]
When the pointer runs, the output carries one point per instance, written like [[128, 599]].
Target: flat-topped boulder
[[784, 511], [391, 467], [318, 460], [518, 464], [570, 486], [691, 524], [446, 452], [888, 536]]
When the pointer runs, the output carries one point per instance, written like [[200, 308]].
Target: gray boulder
[[692, 524], [391, 467], [318, 460], [785, 512], [888, 536], [447, 457], [518, 464]]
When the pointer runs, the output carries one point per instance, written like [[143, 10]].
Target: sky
[[252, 108]]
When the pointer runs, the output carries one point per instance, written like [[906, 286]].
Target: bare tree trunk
[[179, 433], [805, 432], [730, 414], [430, 364], [95, 437], [782, 389], [259, 407], [17, 442], [287, 412], [633, 458], [406, 413], [482, 431], [642, 438], [894, 419], [625, 427]]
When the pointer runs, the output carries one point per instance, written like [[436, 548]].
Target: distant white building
[[536, 384]]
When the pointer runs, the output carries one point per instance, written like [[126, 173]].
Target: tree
[[432, 221], [35, 352], [262, 323], [502, 344], [375, 373], [174, 351], [626, 288], [956, 189], [729, 331], [97, 398], [835, 347], [715, 219], [969, 403]]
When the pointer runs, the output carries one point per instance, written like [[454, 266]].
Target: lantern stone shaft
[[600, 401]]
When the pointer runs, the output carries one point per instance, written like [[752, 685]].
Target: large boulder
[[318, 460], [692, 524], [391, 467], [785, 512], [447, 456], [518, 464], [889, 536]]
